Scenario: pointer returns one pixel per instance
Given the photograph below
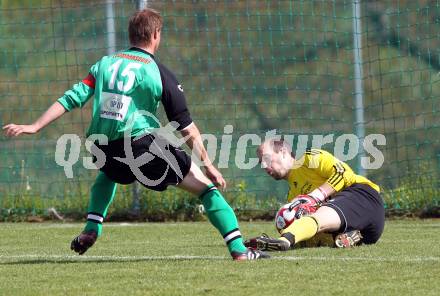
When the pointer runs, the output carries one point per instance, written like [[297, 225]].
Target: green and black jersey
[[124, 84]]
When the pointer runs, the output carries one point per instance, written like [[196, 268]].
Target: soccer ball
[[292, 211]]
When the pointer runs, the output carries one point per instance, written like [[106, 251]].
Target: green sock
[[102, 194], [221, 215]]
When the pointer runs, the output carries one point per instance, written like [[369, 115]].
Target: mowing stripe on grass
[[79, 225], [8, 259]]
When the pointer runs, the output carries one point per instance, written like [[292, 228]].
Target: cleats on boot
[[83, 242], [348, 239], [250, 254], [267, 243]]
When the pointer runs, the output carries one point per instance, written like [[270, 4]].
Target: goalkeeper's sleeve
[[337, 173]]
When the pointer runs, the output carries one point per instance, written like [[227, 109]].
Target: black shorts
[[163, 163], [360, 207]]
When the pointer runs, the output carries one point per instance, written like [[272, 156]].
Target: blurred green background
[[255, 65]]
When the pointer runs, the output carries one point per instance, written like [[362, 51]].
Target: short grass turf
[[190, 259]]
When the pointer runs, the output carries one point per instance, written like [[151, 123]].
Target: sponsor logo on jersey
[[306, 188], [114, 106]]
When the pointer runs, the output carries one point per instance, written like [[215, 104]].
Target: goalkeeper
[[124, 84], [348, 202]]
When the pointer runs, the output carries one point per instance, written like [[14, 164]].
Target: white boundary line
[[44, 225], [4, 259]]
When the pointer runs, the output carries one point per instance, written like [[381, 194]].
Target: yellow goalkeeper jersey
[[317, 167]]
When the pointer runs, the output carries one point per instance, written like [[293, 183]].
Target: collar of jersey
[[141, 50], [296, 164]]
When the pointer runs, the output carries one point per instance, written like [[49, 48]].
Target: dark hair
[[142, 25]]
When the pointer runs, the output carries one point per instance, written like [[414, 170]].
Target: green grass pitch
[[190, 259]]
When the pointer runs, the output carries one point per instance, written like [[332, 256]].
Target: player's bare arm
[[322, 193], [54, 112], [174, 102], [194, 142]]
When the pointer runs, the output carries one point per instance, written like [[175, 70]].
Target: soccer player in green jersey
[[349, 203], [127, 88]]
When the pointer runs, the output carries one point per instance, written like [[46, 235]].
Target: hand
[[216, 177], [307, 200], [14, 130]]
